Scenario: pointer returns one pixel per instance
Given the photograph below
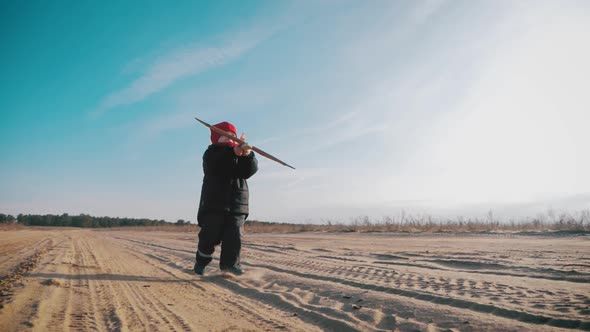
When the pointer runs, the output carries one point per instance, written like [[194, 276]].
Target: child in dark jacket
[[223, 207]]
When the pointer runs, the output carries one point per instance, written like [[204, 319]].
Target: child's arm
[[247, 165], [220, 162], [225, 162]]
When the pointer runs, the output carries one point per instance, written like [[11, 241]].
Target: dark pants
[[220, 228]]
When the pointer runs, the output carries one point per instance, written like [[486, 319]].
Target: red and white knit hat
[[226, 126]]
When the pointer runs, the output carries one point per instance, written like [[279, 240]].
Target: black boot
[[233, 270], [200, 270]]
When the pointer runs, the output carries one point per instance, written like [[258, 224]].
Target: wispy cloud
[[182, 63], [426, 9], [208, 104]]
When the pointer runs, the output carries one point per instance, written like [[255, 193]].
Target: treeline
[[7, 219], [82, 220]]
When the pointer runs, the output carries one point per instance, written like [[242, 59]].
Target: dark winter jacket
[[225, 189]]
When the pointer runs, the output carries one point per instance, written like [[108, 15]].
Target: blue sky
[[439, 107]]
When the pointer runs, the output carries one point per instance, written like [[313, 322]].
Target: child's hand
[[244, 149]]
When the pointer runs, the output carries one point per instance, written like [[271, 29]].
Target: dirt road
[[84, 280]]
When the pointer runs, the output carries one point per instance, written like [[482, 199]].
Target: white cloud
[[180, 64], [426, 9], [462, 107], [492, 117], [519, 132]]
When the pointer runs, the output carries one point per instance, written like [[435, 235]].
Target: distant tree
[[66, 220], [82, 220], [180, 222], [76, 221], [86, 220]]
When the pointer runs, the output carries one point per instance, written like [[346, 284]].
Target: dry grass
[[549, 222], [11, 227], [403, 223]]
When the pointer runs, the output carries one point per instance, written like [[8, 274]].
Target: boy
[[223, 207]]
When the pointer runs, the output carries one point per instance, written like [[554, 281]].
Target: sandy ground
[[85, 280]]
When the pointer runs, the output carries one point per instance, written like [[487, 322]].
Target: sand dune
[[81, 280]]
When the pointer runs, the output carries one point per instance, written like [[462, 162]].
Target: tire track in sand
[[388, 281], [247, 308], [325, 318]]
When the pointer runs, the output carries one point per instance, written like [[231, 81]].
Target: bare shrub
[[427, 224], [404, 222]]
